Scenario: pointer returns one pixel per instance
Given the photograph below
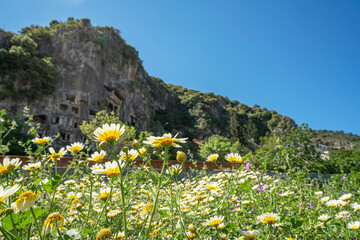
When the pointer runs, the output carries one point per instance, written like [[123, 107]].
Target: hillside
[[68, 71], [338, 139]]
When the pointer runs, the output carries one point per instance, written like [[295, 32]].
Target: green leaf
[[52, 184], [244, 186], [28, 217], [37, 182], [163, 212], [6, 222], [264, 165]]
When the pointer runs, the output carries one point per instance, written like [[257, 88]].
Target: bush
[[220, 145]]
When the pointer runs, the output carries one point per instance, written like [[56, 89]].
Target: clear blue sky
[[300, 58]]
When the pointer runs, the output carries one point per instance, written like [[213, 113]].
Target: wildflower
[[104, 233], [332, 203], [221, 226], [251, 234], [268, 218], [223, 236], [104, 194], [354, 225], [74, 233], [120, 235], [180, 157], [142, 151], [55, 155], [25, 201], [192, 228], [72, 195], [109, 133], [342, 214], [54, 220], [214, 221], [190, 235], [111, 169], [320, 193], [8, 165], [240, 238], [32, 166], [174, 170], [341, 203], [234, 158], [213, 186], [75, 147], [130, 155], [165, 141], [97, 156], [113, 213], [356, 206], [212, 157], [323, 217], [324, 199], [41, 141], [8, 191], [320, 225], [345, 197]]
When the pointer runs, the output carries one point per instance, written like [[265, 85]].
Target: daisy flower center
[[215, 223], [163, 142], [111, 172], [109, 136], [75, 149], [269, 219]]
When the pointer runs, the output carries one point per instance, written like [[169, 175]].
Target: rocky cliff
[[96, 69]]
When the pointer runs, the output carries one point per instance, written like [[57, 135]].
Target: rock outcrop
[[98, 70]]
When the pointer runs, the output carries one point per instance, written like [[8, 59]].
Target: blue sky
[[300, 58]]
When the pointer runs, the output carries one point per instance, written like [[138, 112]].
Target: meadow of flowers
[[115, 199]]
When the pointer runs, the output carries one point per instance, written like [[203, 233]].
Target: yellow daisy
[[75, 147], [165, 141], [109, 133]]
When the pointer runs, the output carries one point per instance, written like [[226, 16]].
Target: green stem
[[58, 231], [158, 188], [91, 187], [29, 231], [37, 225], [4, 234], [55, 166], [13, 224], [123, 202]]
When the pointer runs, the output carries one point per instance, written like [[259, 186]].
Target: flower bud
[[135, 144], [180, 157], [9, 211], [125, 149], [192, 228]]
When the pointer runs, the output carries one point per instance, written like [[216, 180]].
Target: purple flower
[[261, 187], [247, 166]]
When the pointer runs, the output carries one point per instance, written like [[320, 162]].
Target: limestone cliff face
[[97, 70]]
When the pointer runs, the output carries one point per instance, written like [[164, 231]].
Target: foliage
[[23, 72], [11, 132], [343, 161], [120, 200], [102, 117], [207, 114], [220, 145], [293, 151]]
